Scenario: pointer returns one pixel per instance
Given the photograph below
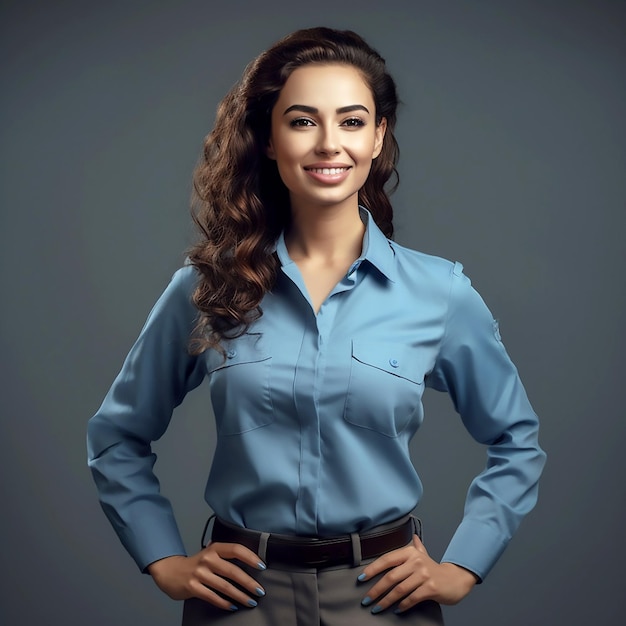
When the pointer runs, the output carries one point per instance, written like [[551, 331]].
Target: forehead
[[325, 85]]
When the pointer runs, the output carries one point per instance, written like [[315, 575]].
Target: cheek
[[286, 174], [287, 162], [364, 162], [286, 156], [363, 148], [289, 145]]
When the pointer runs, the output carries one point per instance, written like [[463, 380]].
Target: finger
[[227, 589], [237, 551], [422, 593], [198, 590], [393, 559], [393, 586], [231, 571], [385, 562], [418, 545]]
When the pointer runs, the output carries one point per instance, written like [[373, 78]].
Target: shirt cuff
[[476, 547], [159, 538]]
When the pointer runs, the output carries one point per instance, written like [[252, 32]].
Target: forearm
[[130, 496]]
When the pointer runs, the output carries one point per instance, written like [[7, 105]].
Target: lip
[[328, 172]]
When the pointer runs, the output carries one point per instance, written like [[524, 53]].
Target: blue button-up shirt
[[315, 412]]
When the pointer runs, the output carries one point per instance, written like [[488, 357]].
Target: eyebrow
[[307, 109]]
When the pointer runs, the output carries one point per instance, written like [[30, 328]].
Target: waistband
[[318, 552]]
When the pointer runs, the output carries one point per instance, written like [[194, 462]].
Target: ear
[[269, 151], [381, 129]]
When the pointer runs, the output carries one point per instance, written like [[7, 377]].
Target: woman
[[317, 335]]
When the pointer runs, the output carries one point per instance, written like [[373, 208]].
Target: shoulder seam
[[457, 270]]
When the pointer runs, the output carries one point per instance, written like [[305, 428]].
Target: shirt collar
[[376, 248]]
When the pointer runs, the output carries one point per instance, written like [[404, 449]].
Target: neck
[[325, 233]]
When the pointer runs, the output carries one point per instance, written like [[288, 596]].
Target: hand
[[414, 577], [207, 572]]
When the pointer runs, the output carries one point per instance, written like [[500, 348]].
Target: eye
[[353, 122], [300, 122]]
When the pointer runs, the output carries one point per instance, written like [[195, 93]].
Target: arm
[[156, 376], [154, 379], [474, 368]]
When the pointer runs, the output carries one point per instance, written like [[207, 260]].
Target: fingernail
[[366, 601], [260, 592], [251, 602], [361, 577], [232, 607], [377, 609], [397, 611], [261, 565]]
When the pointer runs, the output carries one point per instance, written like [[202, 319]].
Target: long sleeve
[[475, 369], [156, 375]]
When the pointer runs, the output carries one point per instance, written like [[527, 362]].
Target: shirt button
[[393, 362], [231, 353]]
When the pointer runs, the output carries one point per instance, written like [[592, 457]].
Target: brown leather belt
[[314, 551]]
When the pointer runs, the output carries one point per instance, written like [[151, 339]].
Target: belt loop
[[417, 526], [263, 546], [203, 541], [356, 549]]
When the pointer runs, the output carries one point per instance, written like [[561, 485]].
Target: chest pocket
[[385, 388], [240, 386]]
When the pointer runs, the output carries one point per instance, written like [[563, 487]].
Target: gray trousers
[[297, 596]]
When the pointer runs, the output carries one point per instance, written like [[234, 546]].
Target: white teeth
[[328, 170]]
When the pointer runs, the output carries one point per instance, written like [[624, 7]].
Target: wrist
[[463, 576], [160, 565]]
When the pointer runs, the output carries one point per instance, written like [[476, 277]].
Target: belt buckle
[[311, 552], [324, 559]]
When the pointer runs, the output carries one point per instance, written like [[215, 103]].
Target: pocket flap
[[396, 359], [239, 351]]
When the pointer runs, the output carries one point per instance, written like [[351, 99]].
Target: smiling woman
[[324, 138], [324, 151], [317, 335]]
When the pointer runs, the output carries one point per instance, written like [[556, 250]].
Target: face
[[324, 135]]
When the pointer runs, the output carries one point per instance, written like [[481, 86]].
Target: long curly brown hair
[[241, 205]]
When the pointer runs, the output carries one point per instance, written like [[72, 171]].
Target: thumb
[[418, 545]]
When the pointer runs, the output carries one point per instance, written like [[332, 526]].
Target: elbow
[[101, 436]]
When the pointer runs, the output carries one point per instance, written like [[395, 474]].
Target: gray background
[[513, 152]]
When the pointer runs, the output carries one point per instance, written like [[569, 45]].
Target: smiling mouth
[[327, 171]]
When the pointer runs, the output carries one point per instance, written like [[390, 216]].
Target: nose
[[328, 140]]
